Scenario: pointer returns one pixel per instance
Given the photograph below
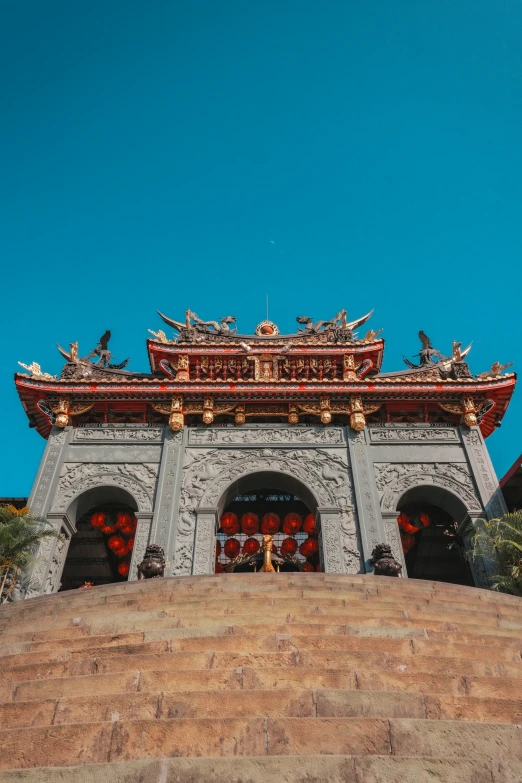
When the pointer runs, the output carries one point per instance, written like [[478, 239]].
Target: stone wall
[[179, 482]]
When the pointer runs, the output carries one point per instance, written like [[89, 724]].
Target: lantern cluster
[[408, 526], [119, 527], [250, 525]]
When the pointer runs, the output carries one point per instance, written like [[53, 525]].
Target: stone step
[[188, 737], [261, 703], [334, 769]]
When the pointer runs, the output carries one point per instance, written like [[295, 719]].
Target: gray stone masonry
[[179, 483]]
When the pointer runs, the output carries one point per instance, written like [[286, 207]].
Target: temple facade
[[231, 437]]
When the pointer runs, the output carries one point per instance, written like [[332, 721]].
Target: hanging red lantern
[[292, 524], [307, 567], [123, 569], [404, 523], [127, 530], [309, 524], [108, 529], [309, 547], [408, 541], [123, 518], [250, 524], [229, 524], [232, 548], [122, 551], [251, 546], [98, 519], [218, 547], [288, 547], [130, 544], [116, 542], [270, 525], [425, 519], [218, 568]]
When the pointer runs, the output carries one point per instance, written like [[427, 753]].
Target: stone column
[[372, 529], [330, 540], [205, 541], [483, 472], [50, 556], [392, 537], [141, 539], [164, 522]]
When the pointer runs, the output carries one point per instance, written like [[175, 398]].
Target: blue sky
[[166, 155]]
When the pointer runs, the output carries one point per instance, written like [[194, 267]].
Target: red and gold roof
[[209, 373]]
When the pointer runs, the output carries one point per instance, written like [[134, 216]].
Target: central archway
[[271, 503]]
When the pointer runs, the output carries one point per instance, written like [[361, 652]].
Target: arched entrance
[[429, 520], [100, 550], [268, 503]]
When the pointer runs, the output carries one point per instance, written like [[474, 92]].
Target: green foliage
[[20, 533], [500, 542]]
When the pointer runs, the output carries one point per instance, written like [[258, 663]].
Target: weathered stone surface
[[230, 678]]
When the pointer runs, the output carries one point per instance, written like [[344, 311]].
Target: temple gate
[[300, 435]]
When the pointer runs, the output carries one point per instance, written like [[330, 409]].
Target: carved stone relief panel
[[40, 493], [315, 436], [413, 435], [489, 489], [394, 479], [55, 567], [124, 434], [333, 561], [164, 511], [393, 538], [208, 473], [76, 478], [205, 545]]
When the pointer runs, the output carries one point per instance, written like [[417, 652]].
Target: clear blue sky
[[164, 155]]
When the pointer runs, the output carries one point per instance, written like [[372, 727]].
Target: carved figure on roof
[[496, 369], [312, 328], [101, 351], [428, 354], [336, 325], [160, 336], [199, 326], [36, 371], [221, 328]]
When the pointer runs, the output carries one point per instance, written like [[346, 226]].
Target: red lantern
[[218, 547], [307, 567], [408, 542], [309, 524], [250, 524], [108, 530], [123, 569], [122, 551], [292, 524], [116, 542], [98, 519], [232, 548], [251, 546], [309, 547], [405, 524], [127, 530], [288, 547], [218, 568], [123, 518], [130, 544], [229, 524], [425, 519], [270, 525]]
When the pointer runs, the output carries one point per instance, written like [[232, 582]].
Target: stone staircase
[[263, 677]]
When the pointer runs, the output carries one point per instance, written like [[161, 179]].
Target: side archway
[[431, 522]]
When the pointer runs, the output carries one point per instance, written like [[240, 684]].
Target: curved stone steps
[[343, 672]]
